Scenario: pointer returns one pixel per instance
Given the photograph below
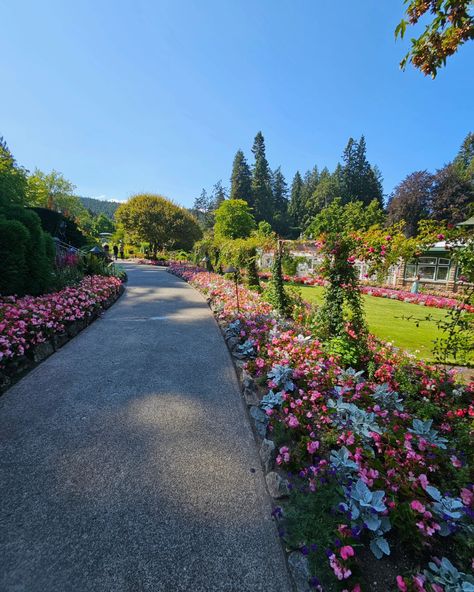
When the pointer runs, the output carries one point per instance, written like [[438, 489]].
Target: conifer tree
[[360, 181], [241, 179], [295, 207], [261, 182], [219, 194], [280, 221]]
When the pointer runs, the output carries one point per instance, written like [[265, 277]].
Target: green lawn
[[382, 318]]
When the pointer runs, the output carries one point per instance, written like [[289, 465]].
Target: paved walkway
[[127, 462]]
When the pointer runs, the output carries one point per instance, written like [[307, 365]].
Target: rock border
[[19, 366], [276, 483]]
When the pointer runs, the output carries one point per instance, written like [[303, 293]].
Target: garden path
[[127, 462]]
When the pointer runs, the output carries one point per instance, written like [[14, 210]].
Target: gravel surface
[[127, 462]]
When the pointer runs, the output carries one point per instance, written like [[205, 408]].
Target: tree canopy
[[451, 25], [233, 220], [158, 221]]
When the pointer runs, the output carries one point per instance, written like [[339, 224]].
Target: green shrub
[[39, 261], [14, 239], [33, 253]]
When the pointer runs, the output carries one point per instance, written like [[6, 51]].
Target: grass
[[384, 320]]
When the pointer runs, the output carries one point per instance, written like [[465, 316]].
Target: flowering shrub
[[395, 439], [30, 320]]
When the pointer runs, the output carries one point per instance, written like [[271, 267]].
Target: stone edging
[[21, 365], [277, 484]]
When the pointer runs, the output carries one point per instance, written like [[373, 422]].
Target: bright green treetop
[[233, 220]]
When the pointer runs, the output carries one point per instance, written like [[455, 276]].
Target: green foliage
[[55, 192], [339, 218], [241, 179], [103, 224], [345, 348], [100, 206], [451, 25], [159, 222], [14, 239], [233, 220], [276, 294], [360, 181], [261, 182], [13, 181], [342, 312], [311, 519], [35, 255], [60, 227]]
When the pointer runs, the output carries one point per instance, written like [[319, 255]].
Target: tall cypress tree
[[261, 182], [295, 207], [241, 179]]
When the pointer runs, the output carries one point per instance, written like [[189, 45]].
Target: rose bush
[[395, 439], [27, 321]]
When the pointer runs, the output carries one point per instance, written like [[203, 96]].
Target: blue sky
[[130, 96]]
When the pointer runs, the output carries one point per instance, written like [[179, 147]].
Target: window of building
[[428, 268]]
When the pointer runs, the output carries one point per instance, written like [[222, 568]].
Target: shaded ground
[[127, 462]]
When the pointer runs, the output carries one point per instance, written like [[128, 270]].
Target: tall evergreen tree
[[203, 210], [261, 182], [241, 179], [219, 194], [464, 160], [295, 207], [360, 182], [310, 183], [327, 189], [280, 203]]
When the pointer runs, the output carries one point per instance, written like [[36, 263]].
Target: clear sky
[[157, 95]]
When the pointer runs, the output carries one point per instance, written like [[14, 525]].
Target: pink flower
[[312, 447], [423, 479], [346, 552], [466, 496], [293, 422], [456, 462], [401, 584], [417, 506]]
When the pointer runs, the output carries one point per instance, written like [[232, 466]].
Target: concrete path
[[127, 462]]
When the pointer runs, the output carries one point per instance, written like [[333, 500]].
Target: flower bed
[[29, 321], [390, 447], [380, 292]]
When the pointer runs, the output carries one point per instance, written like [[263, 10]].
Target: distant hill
[[100, 206]]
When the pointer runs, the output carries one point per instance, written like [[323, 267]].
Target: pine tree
[[261, 182], [202, 210], [310, 183], [241, 179], [295, 207], [280, 203], [464, 160], [327, 189], [360, 182], [219, 194]]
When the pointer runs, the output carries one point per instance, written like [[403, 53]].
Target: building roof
[[468, 222]]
